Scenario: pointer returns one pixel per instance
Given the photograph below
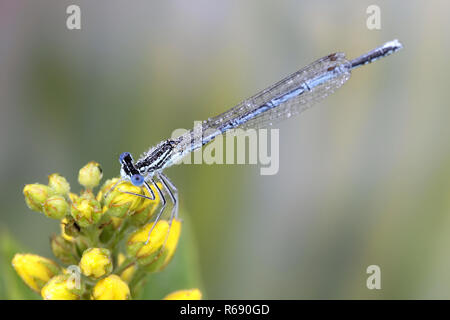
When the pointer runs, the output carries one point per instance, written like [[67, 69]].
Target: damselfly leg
[[173, 192], [140, 195], [170, 188], [152, 194], [161, 210]]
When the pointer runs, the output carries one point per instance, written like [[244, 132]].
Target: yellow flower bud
[[147, 208], [111, 288], [146, 253], [35, 195], [63, 249], [147, 202], [127, 274], [96, 262], [34, 270], [86, 211], [69, 228], [119, 203], [61, 287], [191, 294], [168, 250], [58, 184], [73, 197], [110, 228], [56, 207], [105, 188], [116, 222], [90, 175]]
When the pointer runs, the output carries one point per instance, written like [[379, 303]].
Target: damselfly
[[287, 97]]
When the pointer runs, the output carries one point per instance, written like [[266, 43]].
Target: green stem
[[136, 282], [112, 244], [91, 234], [124, 265]]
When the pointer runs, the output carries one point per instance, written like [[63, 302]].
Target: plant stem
[[124, 265]]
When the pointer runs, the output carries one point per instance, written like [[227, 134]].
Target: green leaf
[[181, 273], [11, 285]]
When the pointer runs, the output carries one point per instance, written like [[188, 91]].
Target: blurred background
[[364, 177]]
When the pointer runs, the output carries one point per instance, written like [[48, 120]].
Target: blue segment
[[296, 92], [123, 155], [269, 105], [137, 180]]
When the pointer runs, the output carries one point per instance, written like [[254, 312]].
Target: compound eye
[[137, 180], [123, 156]]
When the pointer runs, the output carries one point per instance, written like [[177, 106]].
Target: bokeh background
[[364, 177]]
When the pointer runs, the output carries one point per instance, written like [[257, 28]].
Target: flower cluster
[[102, 247]]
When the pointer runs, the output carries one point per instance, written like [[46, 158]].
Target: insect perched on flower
[[102, 246]]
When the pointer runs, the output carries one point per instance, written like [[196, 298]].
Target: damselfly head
[[128, 171], [124, 155]]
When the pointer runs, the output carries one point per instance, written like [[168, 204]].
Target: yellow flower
[[119, 203], [111, 288], [126, 274], [90, 175], [96, 262], [35, 195], [147, 208], [62, 249], [63, 225], [163, 259], [146, 253], [34, 270], [69, 228], [61, 288], [116, 222], [73, 196], [106, 187], [56, 207], [191, 294], [147, 202], [58, 184], [86, 211]]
